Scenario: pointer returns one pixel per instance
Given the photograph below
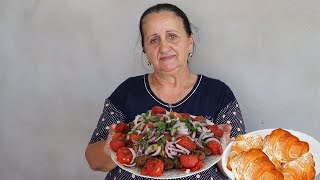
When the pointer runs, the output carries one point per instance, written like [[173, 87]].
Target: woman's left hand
[[227, 130]]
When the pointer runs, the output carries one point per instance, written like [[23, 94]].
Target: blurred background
[[59, 60]]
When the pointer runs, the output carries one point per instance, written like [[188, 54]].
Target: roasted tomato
[[185, 115], [198, 166], [213, 127], [119, 136], [199, 118], [124, 155], [134, 137], [116, 144], [188, 161], [219, 133], [215, 147], [150, 124], [158, 110], [121, 127], [187, 143], [216, 130], [153, 167]]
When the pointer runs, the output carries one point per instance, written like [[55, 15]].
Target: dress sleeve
[[113, 112], [109, 115], [230, 113]]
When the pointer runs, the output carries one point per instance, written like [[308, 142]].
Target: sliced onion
[[173, 153], [136, 119], [193, 135], [152, 133], [208, 136], [184, 149], [141, 149], [145, 130], [159, 138], [151, 139], [182, 132], [187, 171], [136, 126], [129, 165], [176, 150], [212, 139], [198, 143], [165, 132], [157, 152], [205, 129], [134, 155], [166, 117], [135, 142], [147, 151], [168, 144], [202, 134]]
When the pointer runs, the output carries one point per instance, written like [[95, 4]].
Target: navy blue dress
[[209, 97]]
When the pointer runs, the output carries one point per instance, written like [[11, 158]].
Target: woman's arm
[[98, 154]]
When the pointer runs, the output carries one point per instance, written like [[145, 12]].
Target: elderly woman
[[167, 42]]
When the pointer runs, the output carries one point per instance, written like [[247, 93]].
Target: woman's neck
[[172, 88]]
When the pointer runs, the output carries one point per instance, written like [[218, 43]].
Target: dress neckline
[[170, 106]]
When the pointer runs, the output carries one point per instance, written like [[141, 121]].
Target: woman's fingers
[[112, 131], [227, 130]]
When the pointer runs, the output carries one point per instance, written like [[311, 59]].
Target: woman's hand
[[227, 130], [98, 154], [112, 131]]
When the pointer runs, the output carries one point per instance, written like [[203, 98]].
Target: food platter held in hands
[[167, 145]]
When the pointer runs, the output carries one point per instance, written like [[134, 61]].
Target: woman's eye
[[172, 36], [154, 40]]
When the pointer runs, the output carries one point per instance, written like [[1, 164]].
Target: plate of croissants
[[272, 154]]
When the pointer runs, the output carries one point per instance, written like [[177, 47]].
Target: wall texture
[[59, 59]]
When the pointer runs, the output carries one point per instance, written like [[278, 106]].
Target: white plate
[[174, 173], [314, 146]]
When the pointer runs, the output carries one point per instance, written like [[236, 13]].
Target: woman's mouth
[[165, 58]]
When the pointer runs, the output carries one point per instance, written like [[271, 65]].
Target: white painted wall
[[59, 59]]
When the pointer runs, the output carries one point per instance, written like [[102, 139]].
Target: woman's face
[[166, 42]]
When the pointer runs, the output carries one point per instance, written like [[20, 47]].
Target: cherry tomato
[[215, 129], [121, 127], [119, 136], [185, 115], [215, 147], [134, 137], [124, 155], [188, 161], [116, 144], [199, 118], [149, 124], [153, 167], [175, 114], [219, 133], [187, 143], [198, 166], [158, 110]]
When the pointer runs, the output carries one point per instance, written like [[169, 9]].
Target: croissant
[[254, 164], [299, 169], [281, 147], [244, 143]]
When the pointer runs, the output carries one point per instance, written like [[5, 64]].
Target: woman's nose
[[164, 46]]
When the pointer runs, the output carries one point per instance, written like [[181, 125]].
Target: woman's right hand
[[112, 131], [98, 154]]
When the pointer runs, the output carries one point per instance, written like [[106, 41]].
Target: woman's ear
[[191, 43]]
